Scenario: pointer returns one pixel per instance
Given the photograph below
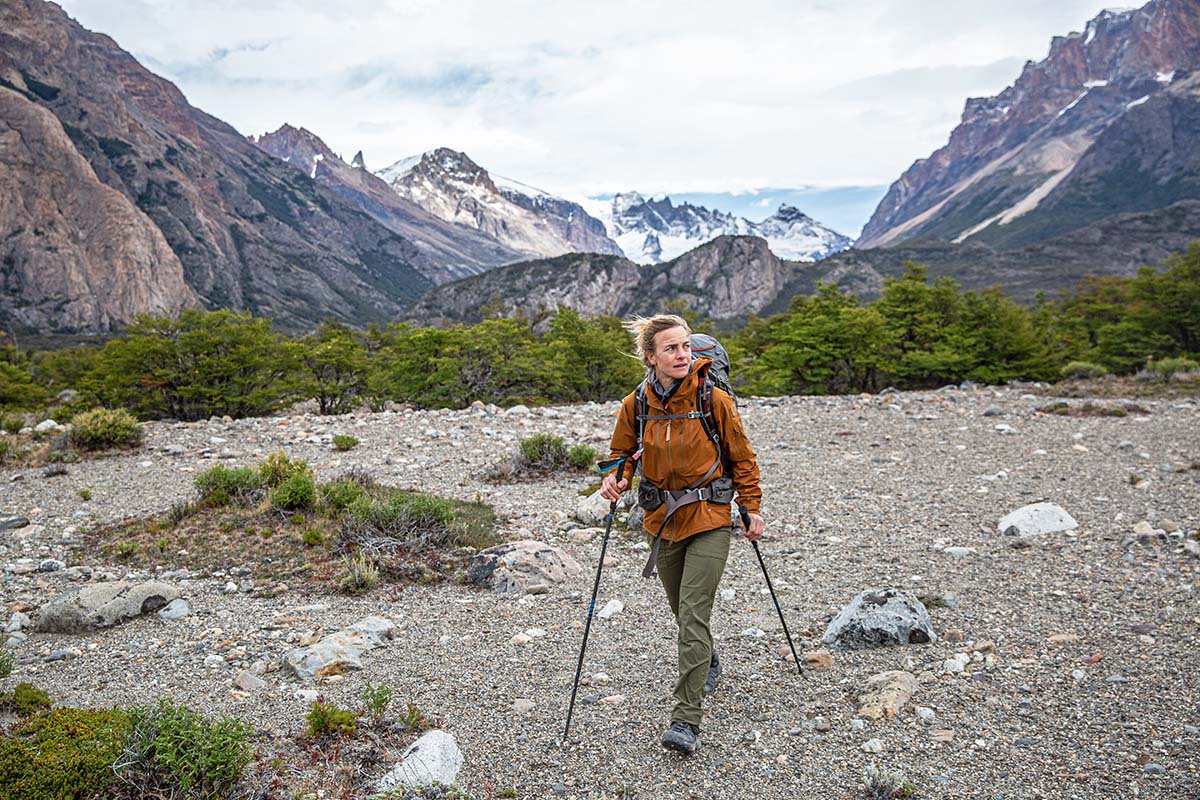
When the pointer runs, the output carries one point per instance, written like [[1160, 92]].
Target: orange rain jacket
[[677, 453]]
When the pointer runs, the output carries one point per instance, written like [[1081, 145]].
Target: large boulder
[[103, 605], [517, 566], [434, 758], [339, 652], [880, 617], [1035, 519]]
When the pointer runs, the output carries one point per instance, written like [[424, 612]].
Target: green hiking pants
[[690, 571]]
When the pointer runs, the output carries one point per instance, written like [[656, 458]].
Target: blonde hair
[[643, 330]]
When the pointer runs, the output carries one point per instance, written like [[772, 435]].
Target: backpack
[[703, 346]]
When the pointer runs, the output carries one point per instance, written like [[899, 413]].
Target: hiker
[[689, 476]]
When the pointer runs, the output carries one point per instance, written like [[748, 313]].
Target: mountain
[[141, 202], [454, 188], [723, 278], [1108, 123], [652, 231], [451, 251]]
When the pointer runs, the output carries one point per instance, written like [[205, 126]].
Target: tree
[[336, 361]]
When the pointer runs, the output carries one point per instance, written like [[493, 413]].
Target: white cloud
[[590, 97]]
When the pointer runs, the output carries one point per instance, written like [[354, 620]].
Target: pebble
[[872, 746], [522, 706]]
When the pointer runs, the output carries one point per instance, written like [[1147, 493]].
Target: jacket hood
[[687, 386]]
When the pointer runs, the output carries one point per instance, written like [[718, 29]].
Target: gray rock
[[880, 617], [636, 520], [249, 682], [434, 758], [959, 552], [341, 651], [12, 523], [103, 605], [515, 566], [176, 609], [1154, 769], [994, 411], [47, 426], [1035, 519], [51, 565], [16, 622], [592, 510]]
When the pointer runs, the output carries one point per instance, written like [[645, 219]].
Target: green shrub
[[543, 451], [313, 538], [61, 753], [278, 468], [342, 442], [5, 449], [881, 784], [126, 549], [326, 719], [376, 700], [85, 494], [359, 575], [176, 748], [405, 518], [1083, 369], [1171, 366], [12, 423], [340, 494], [582, 456], [179, 511], [104, 428], [222, 485], [25, 699], [297, 492], [414, 720], [7, 662]]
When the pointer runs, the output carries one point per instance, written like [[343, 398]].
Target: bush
[[1172, 366], [359, 574], [25, 699], [581, 456], [1083, 369], [64, 752], [326, 719], [376, 700], [278, 468], [340, 494], [312, 538], [171, 747], [7, 662], [343, 442], [543, 451], [12, 423], [399, 519], [222, 485], [884, 785], [414, 720], [298, 492], [104, 428]]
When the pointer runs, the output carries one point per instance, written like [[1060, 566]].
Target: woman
[[687, 485]]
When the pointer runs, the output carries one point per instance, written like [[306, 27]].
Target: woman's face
[[672, 356]]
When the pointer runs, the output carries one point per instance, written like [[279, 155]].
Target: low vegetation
[[348, 534]]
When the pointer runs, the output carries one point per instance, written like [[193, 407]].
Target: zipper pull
[[669, 430]]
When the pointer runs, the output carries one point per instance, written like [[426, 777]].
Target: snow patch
[[317, 159], [1094, 84], [1137, 102], [1073, 103], [1165, 77]]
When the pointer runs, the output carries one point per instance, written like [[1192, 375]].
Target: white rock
[[46, 426], [434, 758], [872, 746], [1036, 518], [728, 594], [521, 639], [959, 552], [522, 706], [612, 607], [925, 714]]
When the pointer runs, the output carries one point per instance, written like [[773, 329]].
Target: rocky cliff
[[451, 251], [725, 278], [248, 231], [1106, 124], [451, 186]]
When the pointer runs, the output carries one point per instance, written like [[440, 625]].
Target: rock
[[521, 639], [515, 566], [612, 607], [248, 681], [818, 660], [13, 523], [886, 693], [176, 609], [102, 605], [518, 411], [872, 746], [339, 652], [47, 426], [635, 522], [17, 621], [1062, 638], [592, 510], [727, 595], [925, 715], [51, 565], [434, 758], [942, 735], [994, 411], [1154, 769], [612, 700], [522, 706], [600, 679], [880, 617], [959, 552], [1035, 519]]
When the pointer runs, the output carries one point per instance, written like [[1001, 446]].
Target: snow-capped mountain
[[451, 186], [655, 230]]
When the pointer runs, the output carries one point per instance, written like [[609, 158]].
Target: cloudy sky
[[588, 98]]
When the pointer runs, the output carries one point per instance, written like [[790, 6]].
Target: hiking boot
[[714, 674], [683, 737]]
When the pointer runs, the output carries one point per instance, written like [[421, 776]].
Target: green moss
[[62, 753]]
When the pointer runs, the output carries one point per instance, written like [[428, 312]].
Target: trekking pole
[[612, 509], [746, 523]]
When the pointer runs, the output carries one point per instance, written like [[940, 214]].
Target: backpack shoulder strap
[[640, 409], [704, 404]]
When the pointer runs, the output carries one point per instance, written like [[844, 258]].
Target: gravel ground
[[861, 492]]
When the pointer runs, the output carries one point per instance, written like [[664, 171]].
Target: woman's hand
[[755, 532], [610, 490]]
